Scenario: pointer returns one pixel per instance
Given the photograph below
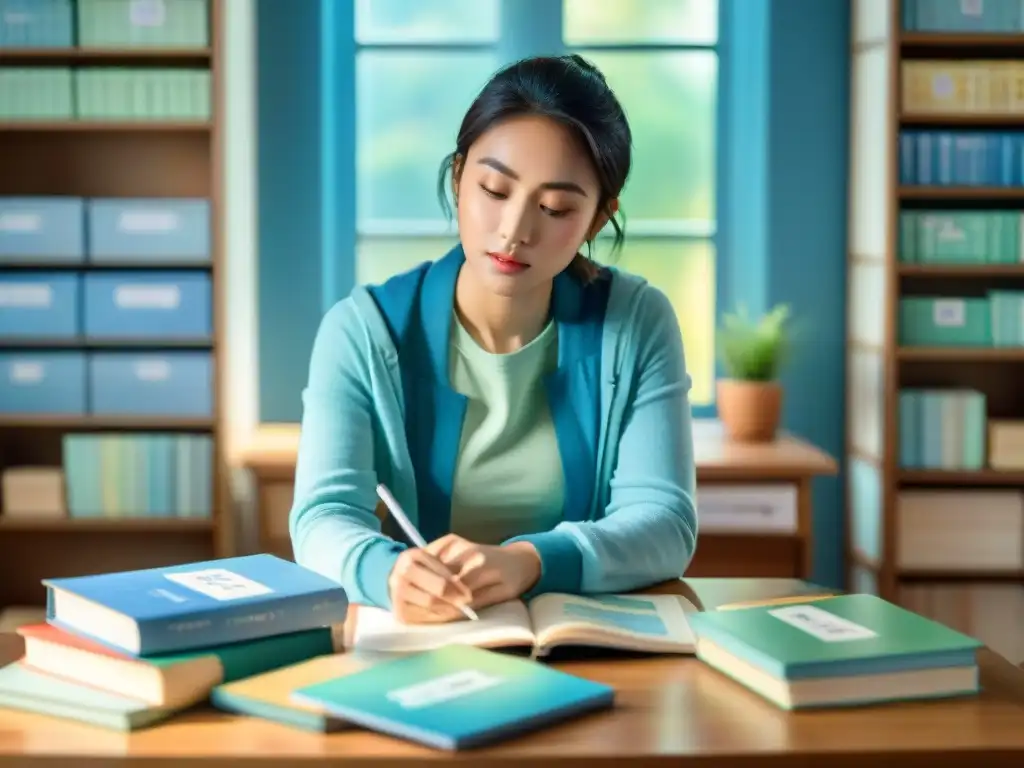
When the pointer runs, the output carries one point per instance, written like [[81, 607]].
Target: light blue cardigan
[[379, 408]]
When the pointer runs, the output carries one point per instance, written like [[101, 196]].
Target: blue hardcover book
[[183, 607], [457, 697]]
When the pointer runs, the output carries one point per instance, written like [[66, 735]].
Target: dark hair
[[572, 91]]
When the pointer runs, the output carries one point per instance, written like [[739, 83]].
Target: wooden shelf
[[996, 577], [966, 478], [92, 344], [968, 41], [962, 354], [101, 126], [199, 57], [979, 271], [961, 193], [106, 423], [1008, 120], [106, 524]]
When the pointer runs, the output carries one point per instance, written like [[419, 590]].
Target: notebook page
[[502, 624]]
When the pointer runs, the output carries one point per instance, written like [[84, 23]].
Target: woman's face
[[527, 197]]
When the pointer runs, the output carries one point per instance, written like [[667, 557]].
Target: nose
[[517, 225]]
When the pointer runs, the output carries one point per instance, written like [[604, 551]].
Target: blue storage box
[[39, 305], [962, 16], [36, 24], [140, 229], [42, 229], [148, 305], [43, 383], [141, 384]]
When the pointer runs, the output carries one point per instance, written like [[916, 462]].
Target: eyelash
[[498, 196]]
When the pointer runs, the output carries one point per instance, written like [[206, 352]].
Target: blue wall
[[785, 73]]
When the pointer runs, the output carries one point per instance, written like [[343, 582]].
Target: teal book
[[457, 697], [850, 649], [27, 690]]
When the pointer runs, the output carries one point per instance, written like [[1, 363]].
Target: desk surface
[[668, 709], [273, 448]]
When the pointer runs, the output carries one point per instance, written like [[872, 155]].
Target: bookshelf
[[110, 273], [935, 350]]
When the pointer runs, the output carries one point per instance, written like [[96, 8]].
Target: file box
[[36, 24], [165, 230], [39, 305], [935, 321], [155, 305], [51, 383], [148, 384], [41, 229]]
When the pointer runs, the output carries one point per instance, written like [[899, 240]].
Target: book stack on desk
[[127, 650]]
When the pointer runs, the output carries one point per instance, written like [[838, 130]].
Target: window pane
[[685, 271], [670, 99], [426, 21], [603, 22], [405, 125], [378, 258]]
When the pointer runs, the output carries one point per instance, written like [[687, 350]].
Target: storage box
[[167, 230], [41, 229], [36, 24], [34, 492], [169, 384], [51, 383], [169, 305], [934, 321], [962, 15], [143, 94], [143, 23], [39, 305], [35, 93]]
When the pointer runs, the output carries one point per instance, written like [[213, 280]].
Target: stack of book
[[127, 650]]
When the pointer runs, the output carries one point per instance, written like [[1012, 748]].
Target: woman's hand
[[424, 590], [493, 573]]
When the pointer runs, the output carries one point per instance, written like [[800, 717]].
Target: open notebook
[[646, 623]]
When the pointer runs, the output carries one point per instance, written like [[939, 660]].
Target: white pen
[[410, 530]]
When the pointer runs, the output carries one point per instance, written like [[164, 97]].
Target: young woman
[[527, 408]]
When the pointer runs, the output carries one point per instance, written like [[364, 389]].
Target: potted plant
[[752, 352]]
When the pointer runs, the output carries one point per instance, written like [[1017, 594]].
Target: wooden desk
[[669, 711], [754, 500]]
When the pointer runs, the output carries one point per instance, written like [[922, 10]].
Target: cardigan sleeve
[[648, 533], [333, 525]]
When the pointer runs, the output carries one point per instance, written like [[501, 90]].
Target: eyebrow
[[563, 186]]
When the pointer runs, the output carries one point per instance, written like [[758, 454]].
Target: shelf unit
[[985, 601], [117, 158]]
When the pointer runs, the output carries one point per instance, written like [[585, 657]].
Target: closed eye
[[552, 212], [492, 193]]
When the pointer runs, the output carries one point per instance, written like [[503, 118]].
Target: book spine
[[246, 622]]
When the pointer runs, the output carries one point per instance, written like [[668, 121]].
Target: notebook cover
[[197, 605], [457, 697], [847, 634]]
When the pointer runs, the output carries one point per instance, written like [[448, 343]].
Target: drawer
[[140, 23], [168, 305], [747, 508], [36, 24], [143, 94], [42, 229], [174, 230], [36, 93], [168, 384], [42, 383], [39, 305], [928, 321]]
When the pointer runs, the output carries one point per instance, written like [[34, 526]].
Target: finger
[[407, 613], [448, 547], [491, 594], [435, 578], [428, 606], [476, 574]]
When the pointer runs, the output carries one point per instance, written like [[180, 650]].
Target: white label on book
[[972, 7], [949, 313], [942, 86], [20, 221], [147, 296], [152, 370], [219, 583], [147, 13], [948, 231], [441, 689], [822, 624], [26, 295], [27, 372], [149, 222]]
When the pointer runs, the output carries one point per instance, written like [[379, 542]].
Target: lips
[[507, 264]]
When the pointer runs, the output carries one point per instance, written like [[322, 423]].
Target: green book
[[849, 649]]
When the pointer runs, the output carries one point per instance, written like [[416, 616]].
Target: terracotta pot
[[749, 410]]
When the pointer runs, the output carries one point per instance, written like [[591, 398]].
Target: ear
[[601, 217], [458, 163]]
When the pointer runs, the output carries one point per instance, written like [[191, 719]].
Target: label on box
[[152, 370], [20, 221], [147, 13], [148, 222], [949, 313], [147, 296], [972, 7], [942, 86], [822, 624], [26, 295], [27, 372]]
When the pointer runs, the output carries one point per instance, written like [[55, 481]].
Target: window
[[659, 56]]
